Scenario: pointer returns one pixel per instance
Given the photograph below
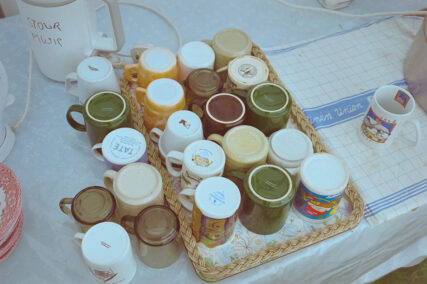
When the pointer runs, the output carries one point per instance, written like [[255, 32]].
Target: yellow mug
[[244, 146], [154, 63], [160, 99]]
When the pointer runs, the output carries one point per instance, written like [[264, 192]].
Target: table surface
[[53, 161]]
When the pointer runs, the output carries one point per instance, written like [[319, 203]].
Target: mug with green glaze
[[269, 106], [269, 190], [102, 113]]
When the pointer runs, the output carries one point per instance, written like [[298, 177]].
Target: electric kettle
[[7, 137], [64, 32]]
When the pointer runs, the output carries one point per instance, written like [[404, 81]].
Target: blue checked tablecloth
[[333, 79]]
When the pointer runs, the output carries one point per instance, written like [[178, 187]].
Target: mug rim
[[171, 238], [107, 73], [142, 63], [222, 121], [285, 105], [188, 153], [111, 119], [377, 103], [109, 215]]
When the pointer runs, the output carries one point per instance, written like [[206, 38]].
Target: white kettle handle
[[107, 43]]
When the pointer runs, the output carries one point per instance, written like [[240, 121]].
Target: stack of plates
[[11, 217]]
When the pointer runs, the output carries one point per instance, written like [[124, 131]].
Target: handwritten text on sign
[[38, 27]]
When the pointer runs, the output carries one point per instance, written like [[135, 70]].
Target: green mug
[[267, 198], [269, 106], [102, 113]]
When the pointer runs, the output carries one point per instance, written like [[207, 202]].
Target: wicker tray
[[211, 272]]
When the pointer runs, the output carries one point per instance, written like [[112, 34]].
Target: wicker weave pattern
[[215, 273]]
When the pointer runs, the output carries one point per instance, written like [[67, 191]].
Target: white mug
[[194, 55], [121, 147], [182, 128], [63, 34], [389, 112], [94, 74], [107, 251], [201, 159]]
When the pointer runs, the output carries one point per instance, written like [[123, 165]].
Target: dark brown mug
[[222, 112]]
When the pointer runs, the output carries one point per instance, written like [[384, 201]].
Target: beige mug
[[136, 186], [244, 147]]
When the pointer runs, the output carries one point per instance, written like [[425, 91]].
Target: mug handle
[[155, 135], [109, 177], [418, 134], [237, 174], [222, 69], [74, 124], [106, 43], [78, 237], [216, 138], [139, 94], [96, 153], [239, 92], [71, 84], [176, 158], [130, 69], [197, 105], [186, 197], [124, 222], [63, 206]]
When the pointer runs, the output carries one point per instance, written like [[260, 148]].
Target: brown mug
[[222, 112]]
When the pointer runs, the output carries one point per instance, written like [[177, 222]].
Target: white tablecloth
[[53, 161]]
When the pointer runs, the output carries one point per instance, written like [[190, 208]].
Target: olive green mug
[[269, 106], [102, 113], [269, 190]]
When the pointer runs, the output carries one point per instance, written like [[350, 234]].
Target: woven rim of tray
[[215, 273]]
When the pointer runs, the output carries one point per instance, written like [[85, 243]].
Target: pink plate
[[10, 201], [7, 248]]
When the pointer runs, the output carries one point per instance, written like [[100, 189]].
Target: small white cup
[[389, 112], [182, 128], [201, 159], [94, 74], [194, 55], [288, 148], [107, 250], [121, 147]]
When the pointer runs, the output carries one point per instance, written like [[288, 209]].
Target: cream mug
[[135, 186], [244, 146], [192, 56]]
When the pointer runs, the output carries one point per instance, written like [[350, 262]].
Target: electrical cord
[[27, 104], [338, 13]]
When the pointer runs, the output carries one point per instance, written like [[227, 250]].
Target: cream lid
[[123, 146], [291, 146], [204, 157], [217, 197], [232, 42], [324, 174], [94, 68], [138, 183], [247, 70], [165, 91], [158, 59], [184, 122], [196, 54], [105, 243], [245, 143]]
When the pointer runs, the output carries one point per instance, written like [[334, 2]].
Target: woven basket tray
[[209, 272]]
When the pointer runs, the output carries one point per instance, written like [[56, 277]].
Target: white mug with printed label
[[107, 251], [94, 74], [63, 32], [182, 128], [388, 114], [121, 147]]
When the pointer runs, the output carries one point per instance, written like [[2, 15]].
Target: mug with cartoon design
[[324, 178], [200, 160], [182, 128], [389, 112]]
